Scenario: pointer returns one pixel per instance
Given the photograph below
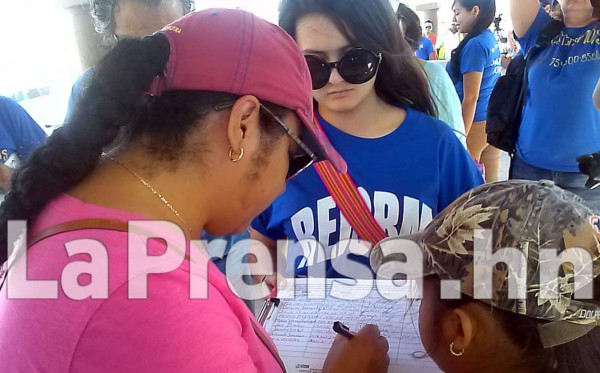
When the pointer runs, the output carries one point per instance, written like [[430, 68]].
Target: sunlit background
[[39, 58]]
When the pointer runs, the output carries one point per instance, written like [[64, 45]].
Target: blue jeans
[[572, 181]]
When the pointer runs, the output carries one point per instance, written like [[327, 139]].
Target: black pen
[[342, 330]]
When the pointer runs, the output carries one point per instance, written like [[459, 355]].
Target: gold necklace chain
[[154, 191]]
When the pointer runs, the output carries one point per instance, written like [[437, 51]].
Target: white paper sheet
[[302, 327]]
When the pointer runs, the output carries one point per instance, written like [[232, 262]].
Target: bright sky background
[[266, 9], [38, 47], [39, 50]]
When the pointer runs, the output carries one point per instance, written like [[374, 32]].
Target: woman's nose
[[335, 77]]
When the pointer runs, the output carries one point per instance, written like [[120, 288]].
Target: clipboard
[[300, 325], [268, 312]]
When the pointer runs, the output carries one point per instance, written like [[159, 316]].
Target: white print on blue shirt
[[497, 63], [405, 177], [560, 122], [306, 222]]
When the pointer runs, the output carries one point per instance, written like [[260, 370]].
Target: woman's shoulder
[[438, 77], [428, 125], [484, 39], [434, 68]]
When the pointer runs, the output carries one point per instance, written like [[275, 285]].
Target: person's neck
[[113, 186], [575, 20], [373, 118]]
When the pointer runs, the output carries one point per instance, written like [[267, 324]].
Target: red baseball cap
[[234, 51]]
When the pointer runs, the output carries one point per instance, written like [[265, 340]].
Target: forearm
[[469, 106], [523, 13]]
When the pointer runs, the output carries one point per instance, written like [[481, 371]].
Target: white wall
[[445, 11]]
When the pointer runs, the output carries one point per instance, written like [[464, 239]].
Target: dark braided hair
[[116, 101], [71, 153], [487, 12]]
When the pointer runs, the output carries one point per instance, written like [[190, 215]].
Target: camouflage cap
[[531, 217]]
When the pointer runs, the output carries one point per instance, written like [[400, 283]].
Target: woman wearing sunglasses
[[206, 146], [373, 103]]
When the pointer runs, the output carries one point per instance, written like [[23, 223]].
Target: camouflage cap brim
[[526, 247]]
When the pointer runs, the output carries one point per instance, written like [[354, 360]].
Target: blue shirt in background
[[481, 54], [79, 87], [560, 121], [223, 247], [425, 49], [19, 133], [406, 178]]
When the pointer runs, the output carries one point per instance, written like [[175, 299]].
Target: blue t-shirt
[[560, 121], [406, 178], [425, 49], [79, 87], [19, 133], [481, 54]]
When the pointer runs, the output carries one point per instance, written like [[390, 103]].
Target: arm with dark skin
[[5, 176]]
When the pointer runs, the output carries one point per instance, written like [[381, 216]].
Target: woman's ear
[[244, 121], [475, 11], [465, 326]]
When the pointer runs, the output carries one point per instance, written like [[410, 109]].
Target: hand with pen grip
[[367, 351]]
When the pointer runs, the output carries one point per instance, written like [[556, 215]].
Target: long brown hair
[[372, 25]]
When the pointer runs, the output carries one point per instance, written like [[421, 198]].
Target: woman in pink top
[[204, 121]]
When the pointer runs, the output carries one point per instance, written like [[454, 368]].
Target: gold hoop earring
[[454, 352], [239, 158]]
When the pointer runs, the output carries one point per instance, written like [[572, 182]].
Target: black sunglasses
[[357, 66], [302, 158]]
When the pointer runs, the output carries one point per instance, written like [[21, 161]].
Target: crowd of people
[[221, 124]]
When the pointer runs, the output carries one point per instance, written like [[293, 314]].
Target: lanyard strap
[[351, 204], [345, 194]]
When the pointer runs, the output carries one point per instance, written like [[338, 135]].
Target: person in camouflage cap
[[495, 245]]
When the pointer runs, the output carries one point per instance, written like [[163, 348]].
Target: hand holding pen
[[363, 351], [342, 330]]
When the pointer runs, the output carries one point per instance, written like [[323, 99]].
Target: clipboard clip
[[267, 310]]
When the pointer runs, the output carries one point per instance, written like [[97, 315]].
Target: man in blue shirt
[[19, 136], [426, 51]]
